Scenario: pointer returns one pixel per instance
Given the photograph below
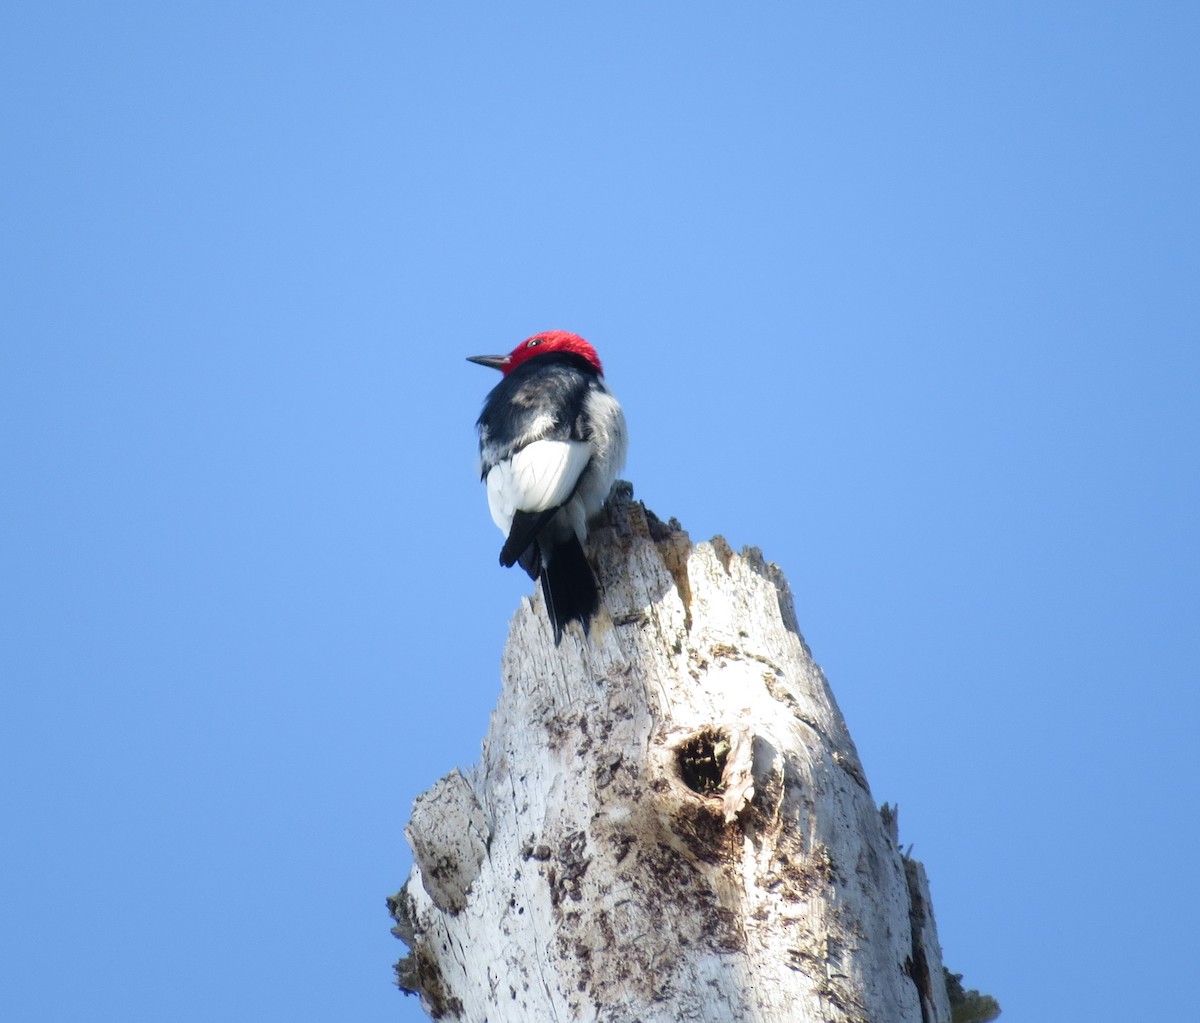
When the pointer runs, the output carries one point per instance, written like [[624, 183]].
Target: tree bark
[[669, 820]]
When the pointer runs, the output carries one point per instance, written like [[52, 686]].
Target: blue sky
[[904, 294]]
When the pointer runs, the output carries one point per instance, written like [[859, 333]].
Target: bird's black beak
[[495, 361]]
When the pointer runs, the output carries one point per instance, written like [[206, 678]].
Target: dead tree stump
[[669, 821]]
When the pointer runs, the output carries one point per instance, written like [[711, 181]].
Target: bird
[[552, 439]]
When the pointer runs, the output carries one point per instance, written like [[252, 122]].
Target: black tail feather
[[569, 587], [525, 527], [531, 561]]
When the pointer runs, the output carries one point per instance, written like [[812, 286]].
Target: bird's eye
[[533, 342]]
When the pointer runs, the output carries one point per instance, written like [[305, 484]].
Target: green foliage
[[969, 1006]]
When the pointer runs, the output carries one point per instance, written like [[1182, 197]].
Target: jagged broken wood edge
[[785, 857]]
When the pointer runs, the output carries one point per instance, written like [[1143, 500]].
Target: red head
[[541, 344]]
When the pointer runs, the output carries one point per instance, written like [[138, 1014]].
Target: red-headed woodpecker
[[551, 442]]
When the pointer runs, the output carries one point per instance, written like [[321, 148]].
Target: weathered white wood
[[575, 875]]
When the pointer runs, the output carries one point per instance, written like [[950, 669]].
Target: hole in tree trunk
[[701, 761]]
